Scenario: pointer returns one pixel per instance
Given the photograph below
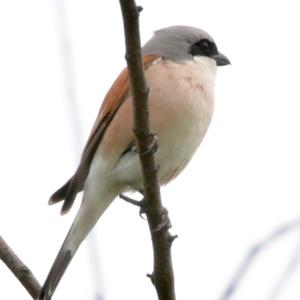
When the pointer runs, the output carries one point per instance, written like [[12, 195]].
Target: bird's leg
[[166, 223], [139, 203]]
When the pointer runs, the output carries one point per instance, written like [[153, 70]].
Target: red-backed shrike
[[180, 65]]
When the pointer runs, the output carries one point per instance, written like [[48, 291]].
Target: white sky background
[[242, 184]]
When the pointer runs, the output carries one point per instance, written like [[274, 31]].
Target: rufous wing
[[115, 97]]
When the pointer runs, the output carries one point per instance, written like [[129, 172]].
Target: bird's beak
[[221, 59]]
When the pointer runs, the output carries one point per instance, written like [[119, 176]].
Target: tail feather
[[62, 260], [60, 265], [96, 199]]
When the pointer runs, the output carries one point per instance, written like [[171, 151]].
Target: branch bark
[[158, 221], [19, 269]]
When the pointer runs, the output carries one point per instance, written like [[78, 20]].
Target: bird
[[180, 64]]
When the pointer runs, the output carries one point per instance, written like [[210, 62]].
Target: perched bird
[[180, 65]]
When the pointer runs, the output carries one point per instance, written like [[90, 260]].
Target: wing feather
[[111, 103]]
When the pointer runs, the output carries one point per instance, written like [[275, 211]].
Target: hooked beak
[[221, 59]]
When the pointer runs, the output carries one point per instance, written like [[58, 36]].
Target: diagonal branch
[[158, 221], [18, 268]]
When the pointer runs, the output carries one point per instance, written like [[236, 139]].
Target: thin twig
[[162, 276], [18, 268], [286, 275], [252, 254]]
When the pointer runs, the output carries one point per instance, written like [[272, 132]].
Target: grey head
[[184, 43]]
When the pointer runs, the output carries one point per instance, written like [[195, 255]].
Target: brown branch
[[162, 276], [18, 268]]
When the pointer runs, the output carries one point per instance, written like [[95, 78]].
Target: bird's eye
[[206, 47], [203, 47]]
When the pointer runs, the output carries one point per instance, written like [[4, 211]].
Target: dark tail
[[60, 265], [97, 198]]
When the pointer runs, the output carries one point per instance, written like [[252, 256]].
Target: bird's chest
[[180, 106], [184, 131], [184, 113]]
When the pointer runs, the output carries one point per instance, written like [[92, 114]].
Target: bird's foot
[[166, 223], [152, 146]]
